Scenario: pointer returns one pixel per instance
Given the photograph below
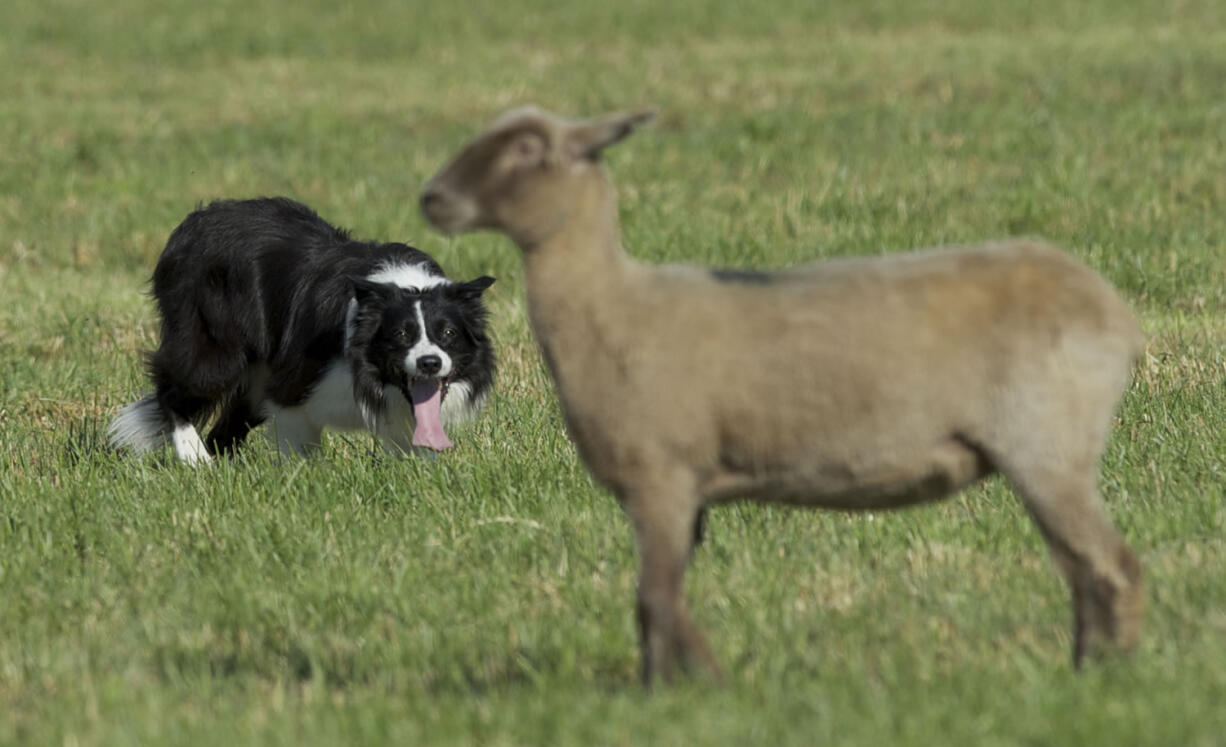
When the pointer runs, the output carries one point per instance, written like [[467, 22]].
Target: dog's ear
[[473, 288], [366, 291], [365, 316], [360, 330]]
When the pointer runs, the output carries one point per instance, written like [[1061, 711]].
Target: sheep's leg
[[665, 527], [1102, 573]]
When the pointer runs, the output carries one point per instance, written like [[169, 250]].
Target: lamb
[[854, 384]]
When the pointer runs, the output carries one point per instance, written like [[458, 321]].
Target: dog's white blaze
[[188, 445], [424, 346], [416, 276]]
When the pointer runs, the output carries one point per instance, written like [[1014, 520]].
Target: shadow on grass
[[480, 673]]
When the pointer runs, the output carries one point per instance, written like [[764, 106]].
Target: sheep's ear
[[587, 139]]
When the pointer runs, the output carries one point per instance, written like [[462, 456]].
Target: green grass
[[486, 597]]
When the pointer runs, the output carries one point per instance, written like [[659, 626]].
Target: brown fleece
[[852, 384]]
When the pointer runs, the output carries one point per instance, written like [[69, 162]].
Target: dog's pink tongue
[[427, 397]]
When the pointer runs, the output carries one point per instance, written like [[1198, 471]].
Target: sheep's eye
[[528, 150]]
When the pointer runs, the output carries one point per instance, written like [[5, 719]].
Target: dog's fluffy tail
[[141, 426]]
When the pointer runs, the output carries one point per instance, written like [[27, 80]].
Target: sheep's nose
[[429, 364], [430, 199]]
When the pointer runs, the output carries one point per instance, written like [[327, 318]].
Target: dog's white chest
[[331, 404]]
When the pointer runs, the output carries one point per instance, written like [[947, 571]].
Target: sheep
[[855, 384]]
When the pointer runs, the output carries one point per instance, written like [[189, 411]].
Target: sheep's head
[[520, 176]]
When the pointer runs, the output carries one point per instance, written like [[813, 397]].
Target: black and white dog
[[270, 313]]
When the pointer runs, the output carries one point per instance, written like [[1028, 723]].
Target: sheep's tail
[[141, 426]]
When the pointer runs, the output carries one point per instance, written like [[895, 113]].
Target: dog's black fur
[[258, 298]]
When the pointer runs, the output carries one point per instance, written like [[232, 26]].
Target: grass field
[[486, 597]]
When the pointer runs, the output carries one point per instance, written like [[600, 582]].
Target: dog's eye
[[449, 332], [402, 335]]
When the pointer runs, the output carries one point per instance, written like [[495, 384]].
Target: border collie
[[270, 313]]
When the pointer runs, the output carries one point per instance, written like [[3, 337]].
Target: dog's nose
[[429, 364]]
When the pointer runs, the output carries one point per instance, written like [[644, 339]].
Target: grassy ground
[[486, 597]]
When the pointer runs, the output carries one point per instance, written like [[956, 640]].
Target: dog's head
[[418, 341]]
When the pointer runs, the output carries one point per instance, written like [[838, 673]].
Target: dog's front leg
[[397, 440], [295, 434], [400, 445]]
